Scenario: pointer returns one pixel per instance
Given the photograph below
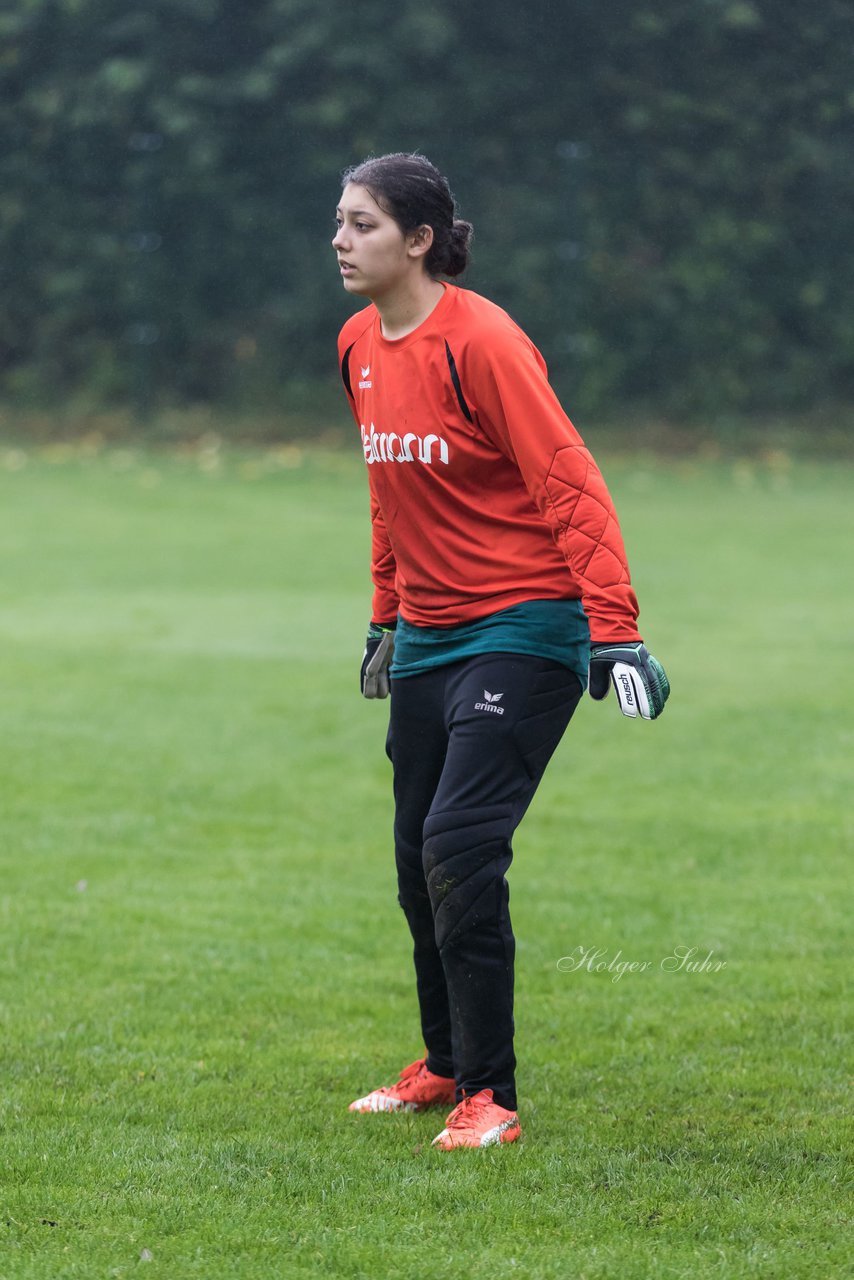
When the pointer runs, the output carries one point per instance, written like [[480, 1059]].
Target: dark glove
[[376, 660], [638, 678]]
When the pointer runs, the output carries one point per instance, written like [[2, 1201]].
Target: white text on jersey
[[388, 446]]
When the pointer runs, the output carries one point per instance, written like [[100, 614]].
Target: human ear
[[420, 241]]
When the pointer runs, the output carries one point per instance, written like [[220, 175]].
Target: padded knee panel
[[466, 853]]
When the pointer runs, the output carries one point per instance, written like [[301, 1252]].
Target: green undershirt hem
[[556, 629]]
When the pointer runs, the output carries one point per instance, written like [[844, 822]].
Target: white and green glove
[[376, 660], [639, 679]]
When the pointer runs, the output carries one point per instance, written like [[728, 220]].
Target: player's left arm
[[518, 408]]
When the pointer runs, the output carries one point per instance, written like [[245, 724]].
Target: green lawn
[[202, 959]]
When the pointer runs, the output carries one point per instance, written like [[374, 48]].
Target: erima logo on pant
[[490, 703], [388, 446]]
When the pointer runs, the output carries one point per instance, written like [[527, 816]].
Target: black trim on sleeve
[[455, 378], [345, 371]]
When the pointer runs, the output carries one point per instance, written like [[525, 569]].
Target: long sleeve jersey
[[483, 494]]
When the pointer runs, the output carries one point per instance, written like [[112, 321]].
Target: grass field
[[202, 959]]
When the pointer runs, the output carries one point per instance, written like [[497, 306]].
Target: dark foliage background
[[661, 192]]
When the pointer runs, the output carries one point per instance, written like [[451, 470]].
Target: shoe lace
[[408, 1078], [467, 1111]]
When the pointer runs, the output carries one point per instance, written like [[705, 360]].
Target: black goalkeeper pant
[[469, 743]]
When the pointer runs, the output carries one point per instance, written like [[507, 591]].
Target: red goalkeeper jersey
[[483, 494]]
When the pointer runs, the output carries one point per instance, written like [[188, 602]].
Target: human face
[[374, 256]]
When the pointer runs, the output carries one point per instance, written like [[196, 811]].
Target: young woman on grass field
[[500, 588]]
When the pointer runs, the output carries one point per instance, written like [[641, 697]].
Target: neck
[[408, 307]]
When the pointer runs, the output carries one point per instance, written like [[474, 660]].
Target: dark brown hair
[[413, 192]]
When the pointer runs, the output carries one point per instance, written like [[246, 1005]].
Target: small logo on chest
[[365, 384]]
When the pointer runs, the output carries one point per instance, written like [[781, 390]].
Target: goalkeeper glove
[[376, 660], [639, 680]]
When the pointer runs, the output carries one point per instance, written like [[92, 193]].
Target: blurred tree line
[[661, 192]]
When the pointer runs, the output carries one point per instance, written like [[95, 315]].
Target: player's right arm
[[379, 645], [383, 570], [383, 567]]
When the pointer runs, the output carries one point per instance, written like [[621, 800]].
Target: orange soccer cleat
[[416, 1089], [478, 1122]]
